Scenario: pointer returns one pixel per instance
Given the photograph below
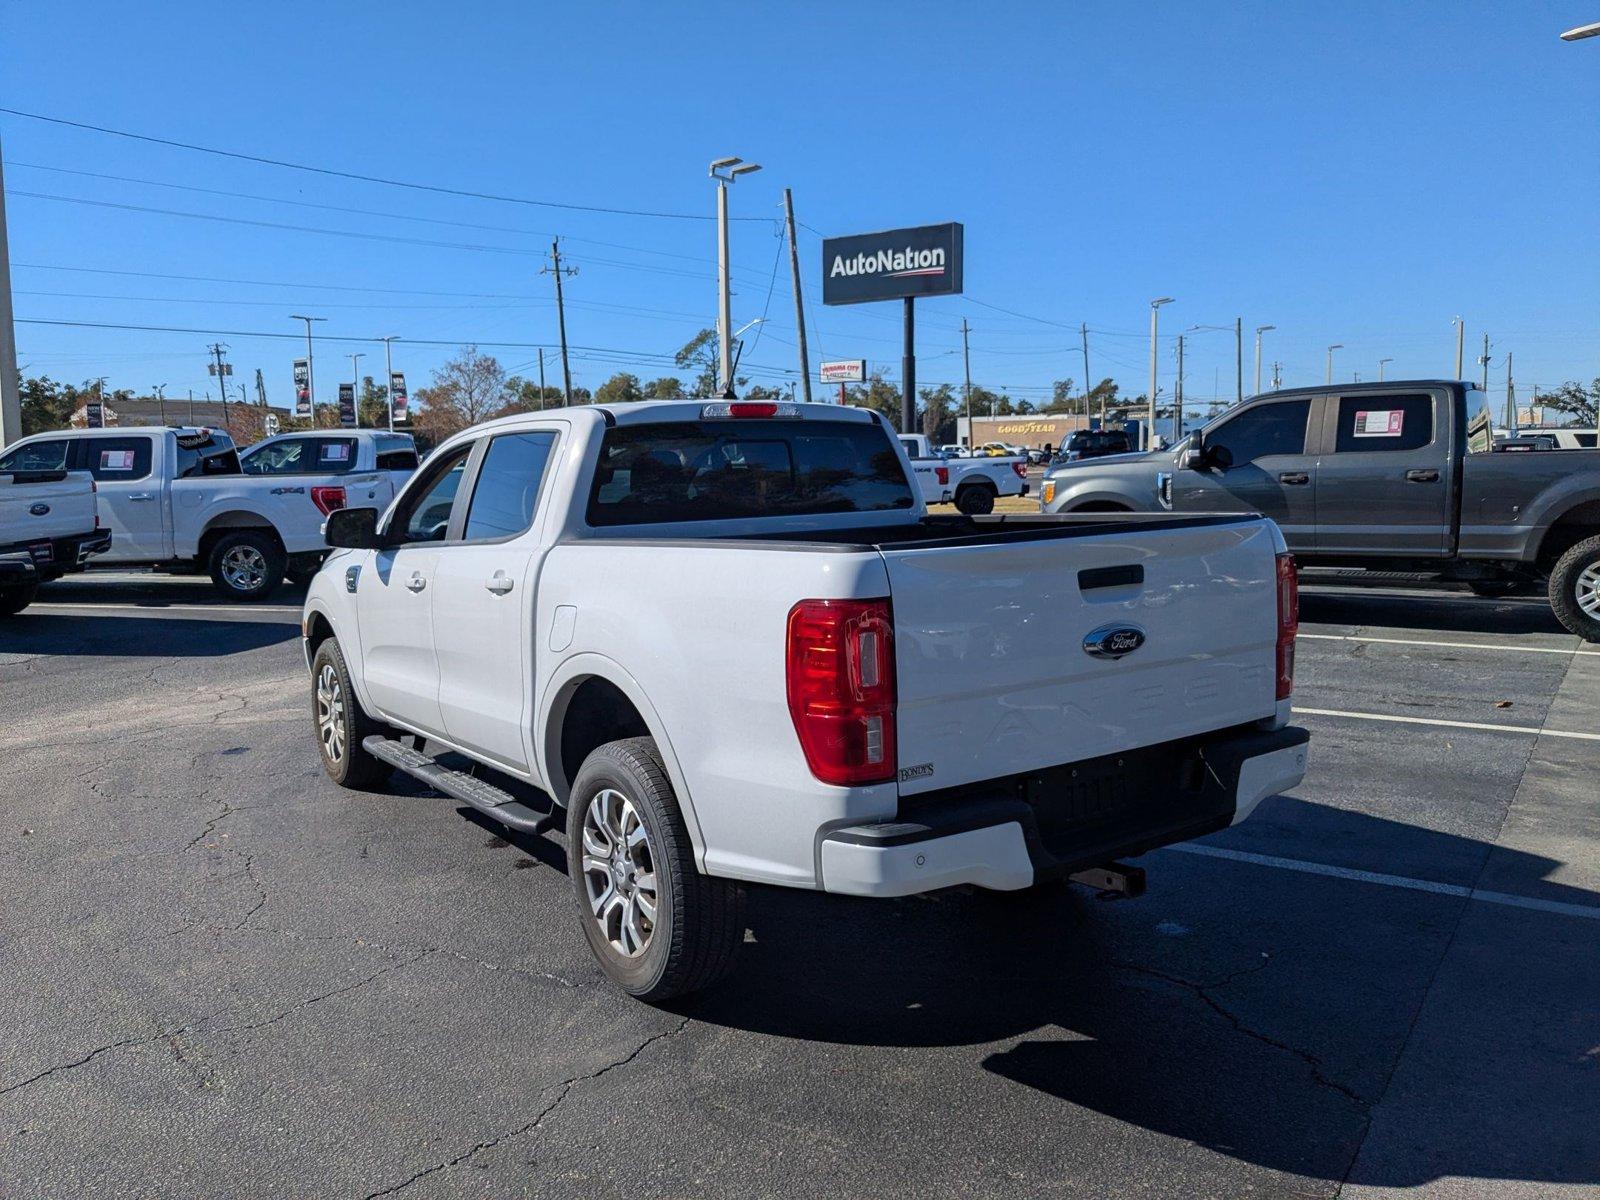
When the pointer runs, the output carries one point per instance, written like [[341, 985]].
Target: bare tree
[[469, 388]]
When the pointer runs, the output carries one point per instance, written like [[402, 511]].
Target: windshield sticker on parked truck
[[1380, 422], [116, 460], [335, 451]]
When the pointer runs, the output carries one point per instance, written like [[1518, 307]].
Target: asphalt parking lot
[[223, 975]]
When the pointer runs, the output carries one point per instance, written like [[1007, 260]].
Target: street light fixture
[[1581, 32], [388, 376], [1260, 329], [1381, 363], [355, 385], [1331, 349], [1150, 420], [725, 171]]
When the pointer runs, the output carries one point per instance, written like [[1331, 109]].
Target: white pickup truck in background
[[49, 526], [972, 484], [724, 643], [177, 500]]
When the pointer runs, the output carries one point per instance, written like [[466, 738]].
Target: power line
[[400, 183]]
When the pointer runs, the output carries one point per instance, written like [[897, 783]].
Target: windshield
[[715, 470]]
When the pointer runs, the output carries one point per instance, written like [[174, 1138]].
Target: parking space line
[[161, 608], [1531, 730], [1345, 637], [1398, 881]]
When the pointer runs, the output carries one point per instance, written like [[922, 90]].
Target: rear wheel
[[341, 724], [247, 565], [658, 927], [17, 597], [1575, 589], [975, 500]]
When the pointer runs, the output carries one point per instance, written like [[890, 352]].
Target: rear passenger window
[[116, 460], [37, 456], [1384, 423], [1266, 429], [507, 491], [397, 460]]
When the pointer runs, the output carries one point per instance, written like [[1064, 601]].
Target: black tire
[[247, 565], [699, 920], [975, 500], [1578, 569], [17, 597], [339, 723]]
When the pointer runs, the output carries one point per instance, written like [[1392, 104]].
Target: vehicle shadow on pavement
[[44, 635], [1276, 1059], [1445, 613]]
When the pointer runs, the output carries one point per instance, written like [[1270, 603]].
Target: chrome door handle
[[500, 583], [1294, 477], [141, 496], [416, 583]]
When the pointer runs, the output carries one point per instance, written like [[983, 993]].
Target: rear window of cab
[[724, 469]]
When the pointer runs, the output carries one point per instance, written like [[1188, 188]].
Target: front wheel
[[658, 927], [975, 501], [1575, 589], [17, 597], [247, 565], [340, 723]]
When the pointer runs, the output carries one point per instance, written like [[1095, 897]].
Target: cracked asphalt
[[221, 975]]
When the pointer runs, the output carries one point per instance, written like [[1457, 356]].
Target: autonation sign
[[925, 261]]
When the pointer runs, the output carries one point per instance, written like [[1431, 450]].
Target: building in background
[[1025, 431]]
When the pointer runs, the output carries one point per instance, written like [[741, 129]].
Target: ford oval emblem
[[39, 509], [1113, 641]]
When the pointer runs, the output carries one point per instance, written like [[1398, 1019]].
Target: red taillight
[[1288, 622], [943, 475], [1021, 468], [841, 688], [327, 498], [752, 408]]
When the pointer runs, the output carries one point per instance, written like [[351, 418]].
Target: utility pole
[[1088, 387], [966, 367], [1238, 359], [908, 370], [799, 303], [1177, 398], [261, 389], [10, 398], [388, 376], [558, 271], [1260, 329], [222, 384], [1150, 423], [355, 384], [191, 406], [1277, 375], [1331, 349], [1485, 361], [311, 379], [541, 378], [1511, 398], [161, 399], [1381, 363], [1461, 344]]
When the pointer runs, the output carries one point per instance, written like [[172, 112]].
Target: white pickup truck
[[723, 643], [176, 499], [972, 484], [49, 525]]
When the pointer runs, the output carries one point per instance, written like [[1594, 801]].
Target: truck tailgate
[[38, 507], [993, 678]]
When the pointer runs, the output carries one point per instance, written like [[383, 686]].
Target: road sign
[[897, 263], [847, 370]]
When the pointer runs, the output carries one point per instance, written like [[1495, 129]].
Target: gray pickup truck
[[1382, 476]]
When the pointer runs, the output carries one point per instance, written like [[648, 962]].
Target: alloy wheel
[[244, 568], [330, 713], [619, 872]]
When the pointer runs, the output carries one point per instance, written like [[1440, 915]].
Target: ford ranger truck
[[723, 643], [1387, 477]]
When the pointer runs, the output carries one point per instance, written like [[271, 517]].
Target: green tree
[[668, 387], [1580, 403], [373, 404], [699, 354], [523, 395], [878, 394], [46, 404], [621, 388], [938, 426]]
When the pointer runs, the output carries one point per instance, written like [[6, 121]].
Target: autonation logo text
[[893, 263]]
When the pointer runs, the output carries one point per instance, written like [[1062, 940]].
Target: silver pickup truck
[[1383, 476]]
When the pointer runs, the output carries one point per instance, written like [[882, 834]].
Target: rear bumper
[[1012, 833], [57, 555]]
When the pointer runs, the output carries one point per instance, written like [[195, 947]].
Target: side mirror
[[352, 529], [1192, 460], [1218, 457]]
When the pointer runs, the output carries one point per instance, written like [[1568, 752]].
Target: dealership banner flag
[[397, 393], [302, 387], [347, 405]]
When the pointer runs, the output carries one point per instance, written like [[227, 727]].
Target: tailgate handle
[[1104, 577]]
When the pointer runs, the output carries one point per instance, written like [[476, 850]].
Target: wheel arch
[[232, 521], [1576, 523]]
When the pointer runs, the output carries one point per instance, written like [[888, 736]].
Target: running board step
[[469, 789]]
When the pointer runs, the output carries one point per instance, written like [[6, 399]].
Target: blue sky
[[1359, 173]]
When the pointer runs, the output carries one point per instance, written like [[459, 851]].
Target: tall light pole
[[355, 384], [1461, 344], [388, 375], [730, 169], [1150, 420], [1260, 329], [1381, 363], [311, 379], [10, 399], [1331, 349]]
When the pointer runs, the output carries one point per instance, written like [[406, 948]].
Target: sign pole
[[908, 370]]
